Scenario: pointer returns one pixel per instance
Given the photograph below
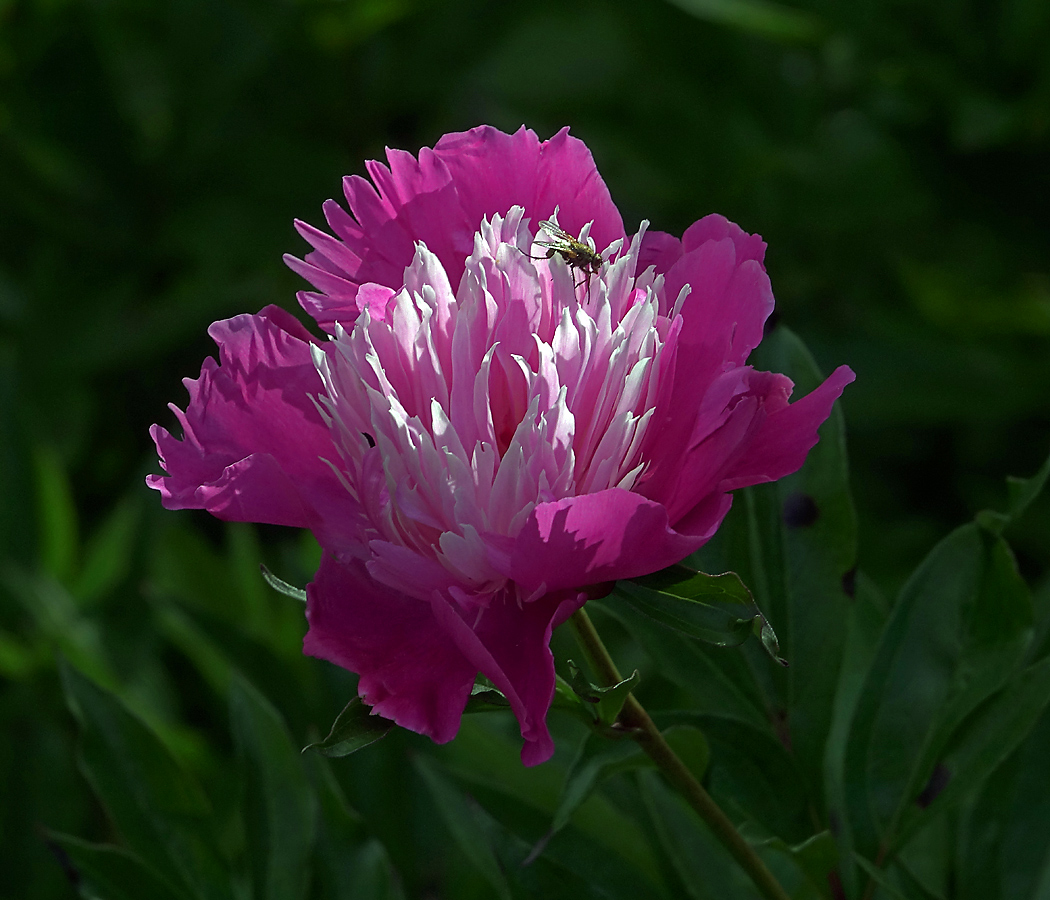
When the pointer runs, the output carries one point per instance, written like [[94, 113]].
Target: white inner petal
[[458, 411]]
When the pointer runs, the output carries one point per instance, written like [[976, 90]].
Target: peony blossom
[[486, 433]]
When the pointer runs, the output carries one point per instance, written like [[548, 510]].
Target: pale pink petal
[[411, 671]]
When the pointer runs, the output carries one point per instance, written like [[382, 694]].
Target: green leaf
[[816, 857], [1004, 844], [485, 697], [759, 17], [800, 537], [984, 742], [243, 552], [597, 759], [604, 703], [571, 867], [112, 872], [866, 620], [752, 772], [880, 878], [492, 762], [466, 825], [60, 622], [1020, 493], [719, 682], [353, 729], [218, 647], [280, 809], [158, 809], [282, 587], [351, 864], [57, 516], [718, 609], [704, 866], [901, 884], [107, 557], [956, 635]]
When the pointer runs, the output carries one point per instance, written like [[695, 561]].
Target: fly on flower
[[575, 252]]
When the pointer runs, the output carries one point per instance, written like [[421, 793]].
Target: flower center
[[456, 412]]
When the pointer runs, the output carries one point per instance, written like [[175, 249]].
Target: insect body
[[576, 253]]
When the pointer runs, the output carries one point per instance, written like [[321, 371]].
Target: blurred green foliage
[[152, 158]]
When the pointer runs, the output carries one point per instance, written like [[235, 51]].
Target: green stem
[[650, 739]]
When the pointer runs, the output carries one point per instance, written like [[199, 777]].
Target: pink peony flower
[[486, 434]]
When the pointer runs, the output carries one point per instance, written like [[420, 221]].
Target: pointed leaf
[[800, 538], [993, 734], [719, 681], [280, 809], [572, 867], [57, 515], [753, 772], [1004, 845], [956, 635], [485, 697], [815, 857], [866, 620], [718, 609], [880, 878], [112, 872], [465, 824], [350, 863], [1020, 492], [705, 867], [491, 762], [282, 587], [597, 759], [159, 810], [107, 557], [353, 729], [605, 703]]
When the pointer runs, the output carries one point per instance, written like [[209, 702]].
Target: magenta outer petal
[[594, 538], [411, 200], [411, 670], [714, 227], [781, 443], [440, 199], [661, 251], [728, 304], [494, 171], [253, 439], [726, 423], [510, 645]]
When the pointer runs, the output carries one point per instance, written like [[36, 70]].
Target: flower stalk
[[644, 731]]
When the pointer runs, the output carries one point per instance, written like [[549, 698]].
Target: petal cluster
[[488, 430]]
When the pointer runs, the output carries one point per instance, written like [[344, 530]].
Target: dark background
[[894, 155]]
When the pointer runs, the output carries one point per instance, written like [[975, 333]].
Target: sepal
[[353, 729], [282, 587]]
